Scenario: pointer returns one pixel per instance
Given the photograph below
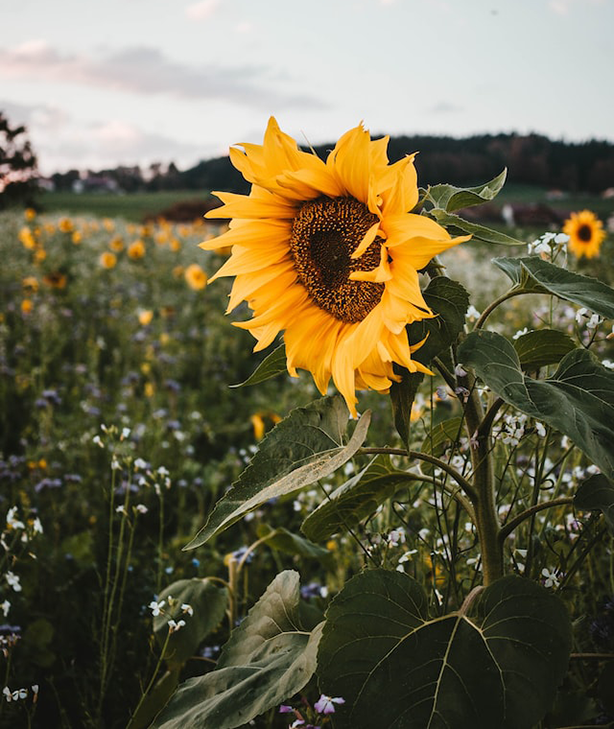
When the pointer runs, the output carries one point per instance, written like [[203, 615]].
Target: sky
[[100, 84]]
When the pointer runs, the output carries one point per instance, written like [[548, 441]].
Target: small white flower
[[472, 313], [156, 607], [125, 433], [539, 428], [7, 693], [550, 578], [520, 333], [581, 315], [13, 581], [561, 239], [187, 608], [162, 471], [115, 464], [175, 626], [608, 364], [141, 508], [11, 521], [396, 537], [5, 607], [97, 440], [37, 527], [140, 464], [594, 321], [121, 510]]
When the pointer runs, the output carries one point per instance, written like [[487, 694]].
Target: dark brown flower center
[[325, 233], [585, 233]]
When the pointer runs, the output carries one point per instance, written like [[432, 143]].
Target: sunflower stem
[[483, 487]]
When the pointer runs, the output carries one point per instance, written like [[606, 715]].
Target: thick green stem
[[483, 497]]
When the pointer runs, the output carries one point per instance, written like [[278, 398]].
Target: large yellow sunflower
[[327, 252], [585, 232]]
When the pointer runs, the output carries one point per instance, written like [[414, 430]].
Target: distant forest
[[531, 160]]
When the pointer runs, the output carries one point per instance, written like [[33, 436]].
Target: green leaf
[[271, 366], [209, 602], [397, 668], [597, 494], [538, 276], [402, 395], [268, 658], [450, 198], [458, 226], [301, 449], [542, 348], [449, 301], [577, 400], [285, 541], [356, 499]]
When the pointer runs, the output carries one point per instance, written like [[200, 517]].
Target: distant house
[[96, 183]]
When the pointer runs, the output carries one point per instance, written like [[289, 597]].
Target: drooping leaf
[[268, 658], [398, 669], [577, 400], [285, 541], [208, 601], [458, 226], [402, 395], [303, 448], [597, 494], [542, 347], [449, 301], [533, 274], [451, 198], [356, 499], [271, 366]]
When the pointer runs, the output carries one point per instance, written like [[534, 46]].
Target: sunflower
[[585, 232], [327, 252], [195, 277]]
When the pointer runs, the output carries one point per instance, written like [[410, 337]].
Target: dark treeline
[[531, 160]]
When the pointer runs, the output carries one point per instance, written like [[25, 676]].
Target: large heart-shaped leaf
[[356, 499], [398, 669], [577, 400], [268, 658], [301, 449], [538, 276]]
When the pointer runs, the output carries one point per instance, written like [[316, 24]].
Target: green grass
[[132, 207]]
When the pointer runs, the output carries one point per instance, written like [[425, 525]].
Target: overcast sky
[[135, 81]]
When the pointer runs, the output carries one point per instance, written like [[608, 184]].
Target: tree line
[[530, 159]]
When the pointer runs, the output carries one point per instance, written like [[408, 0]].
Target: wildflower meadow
[[334, 455]]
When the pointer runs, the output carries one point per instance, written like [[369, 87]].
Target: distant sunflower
[[585, 232], [328, 252]]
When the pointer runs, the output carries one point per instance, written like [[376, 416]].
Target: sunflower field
[[383, 498]]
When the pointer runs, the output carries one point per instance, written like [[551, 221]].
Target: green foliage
[[207, 602], [267, 658], [271, 366], [398, 667], [542, 348], [534, 275], [578, 399], [283, 465], [451, 198], [597, 494], [356, 499]]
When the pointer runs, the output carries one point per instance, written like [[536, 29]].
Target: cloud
[[145, 70], [202, 10], [563, 7], [62, 142]]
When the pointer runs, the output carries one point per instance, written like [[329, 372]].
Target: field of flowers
[[119, 432]]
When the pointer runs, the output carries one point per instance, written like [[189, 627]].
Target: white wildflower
[[156, 607], [13, 581]]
